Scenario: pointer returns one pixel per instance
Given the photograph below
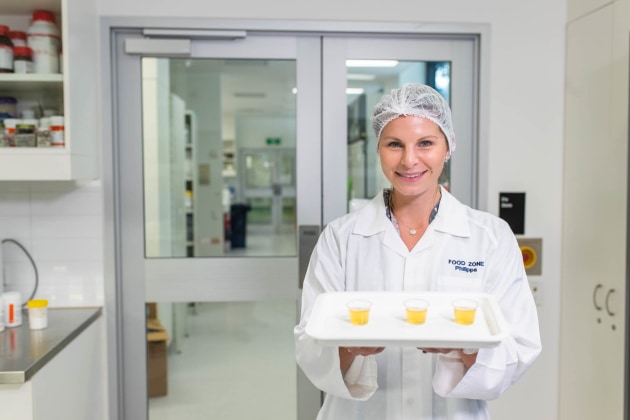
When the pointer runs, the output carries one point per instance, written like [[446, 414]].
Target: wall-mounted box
[[531, 248]]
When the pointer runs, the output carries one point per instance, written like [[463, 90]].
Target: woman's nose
[[408, 158]]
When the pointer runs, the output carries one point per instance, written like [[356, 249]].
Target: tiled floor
[[236, 363], [263, 241]]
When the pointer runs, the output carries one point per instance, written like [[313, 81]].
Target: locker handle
[[598, 307], [608, 295]]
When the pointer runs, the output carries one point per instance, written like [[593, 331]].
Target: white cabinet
[[592, 360], [74, 92]]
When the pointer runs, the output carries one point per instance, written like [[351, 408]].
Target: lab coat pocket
[[459, 284]]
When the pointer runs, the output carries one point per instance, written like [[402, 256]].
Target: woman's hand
[[467, 359], [347, 355]]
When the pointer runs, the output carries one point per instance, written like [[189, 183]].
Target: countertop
[[24, 351]]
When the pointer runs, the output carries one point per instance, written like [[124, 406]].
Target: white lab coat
[[362, 251]]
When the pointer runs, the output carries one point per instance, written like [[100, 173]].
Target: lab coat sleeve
[[499, 367], [319, 363]]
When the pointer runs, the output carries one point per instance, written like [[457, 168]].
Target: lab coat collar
[[451, 217]]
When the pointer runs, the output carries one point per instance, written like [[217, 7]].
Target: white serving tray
[[329, 323]]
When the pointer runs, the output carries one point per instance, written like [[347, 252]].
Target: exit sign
[[273, 140]]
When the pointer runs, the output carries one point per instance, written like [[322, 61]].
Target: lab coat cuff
[[484, 380], [449, 371], [360, 378]]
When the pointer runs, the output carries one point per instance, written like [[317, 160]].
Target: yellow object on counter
[[37, 303], [37, 313]]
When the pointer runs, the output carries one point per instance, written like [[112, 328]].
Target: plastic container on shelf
[[44, 39], [8, 107], [25, 133], [57, 132], [6, 50], [9, 132], [18, 38], [43, 132], [22, 60]]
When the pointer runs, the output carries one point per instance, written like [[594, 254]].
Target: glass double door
[[230, 154]]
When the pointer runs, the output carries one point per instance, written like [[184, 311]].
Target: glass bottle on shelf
[[6, 50]]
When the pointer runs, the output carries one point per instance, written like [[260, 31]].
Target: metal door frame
[[115, 311]]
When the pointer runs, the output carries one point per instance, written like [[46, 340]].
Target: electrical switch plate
[[532, 255]]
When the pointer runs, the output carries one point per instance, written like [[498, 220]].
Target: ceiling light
[[357, 76], [371, 63], [354, 91], [349, 91]]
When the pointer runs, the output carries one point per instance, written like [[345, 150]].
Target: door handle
[[307, 238], [595, 290]]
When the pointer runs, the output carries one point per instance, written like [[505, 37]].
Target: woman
[[406, 239]]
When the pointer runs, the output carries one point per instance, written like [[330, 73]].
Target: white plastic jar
[[37, 314], [57, 132], [44, 39]]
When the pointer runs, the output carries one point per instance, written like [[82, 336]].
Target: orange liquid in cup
[[359, 316], [416, 316], [465, 311], [465, 316], [359, 311], [416, 310]]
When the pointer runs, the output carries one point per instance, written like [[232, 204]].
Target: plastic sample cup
[[37, 314], [359, 311], [416, 310], [465, 311]]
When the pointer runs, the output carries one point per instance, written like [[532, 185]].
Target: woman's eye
[[394, 144], [425, 143]]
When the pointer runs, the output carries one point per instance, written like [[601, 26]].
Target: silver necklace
[[412, 230]]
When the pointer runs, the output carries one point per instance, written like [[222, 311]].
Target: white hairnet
[[414, 99]]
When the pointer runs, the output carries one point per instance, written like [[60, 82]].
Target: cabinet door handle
[[608, 295], [598, 307]]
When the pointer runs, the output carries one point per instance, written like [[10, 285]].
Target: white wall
[[61, 225], [252, 132]]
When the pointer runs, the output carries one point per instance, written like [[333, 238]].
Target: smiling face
[[412, 152]]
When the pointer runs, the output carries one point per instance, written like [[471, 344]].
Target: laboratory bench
[[24, 351], [55, 372]]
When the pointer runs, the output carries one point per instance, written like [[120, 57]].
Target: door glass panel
[[367, 80], [221, 360], [219, 141]]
